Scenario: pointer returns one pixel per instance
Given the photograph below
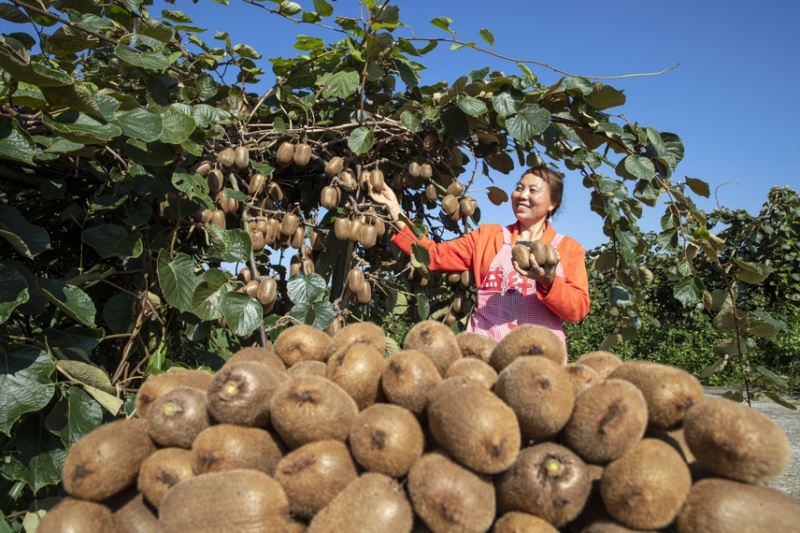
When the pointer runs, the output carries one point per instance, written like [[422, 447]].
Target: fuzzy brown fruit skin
[[302, 155], [522, 255], [528, 339], [721, 506], [301, 342], [736, 442], [107, 459], [216, 181], [158, 384], [285, 154], [538, 253], [334, 166], [266, 291], [72, 515], [386, 439], [163, 470], [474, 369], [408, 379], [435, 340], [237, 500], [475, 345], [357, 369], [241, 391], [646, 487], [603, 362], [178, 416], [329, 197], [518, 522], [241, 158], [226, 157], [224, 447], [448, 496], [355, 278]]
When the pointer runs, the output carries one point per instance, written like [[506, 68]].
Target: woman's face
[[530, 200]]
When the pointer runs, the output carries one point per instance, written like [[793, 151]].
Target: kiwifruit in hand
[[547, 480], [386, 438], [230, 447], [646, 487], [334, 166], [528, 339], [519, 522], [285, 154], [602, 361], [358, 332], [302, 154], [735, 441], [72, 515], [310, 408], [178, 416], [472, 424], [551, 256], [474, 369], [435, 340], [721, 505], [301, 342], [234, 500], [608, 419], [376, 180], [308, 368], [668, 390], [107, 459], [522, 255], [477, 345], [313, 474], [357, 369], [448, 496], [261, 354], [540, 393], [538, 253], [158, 384], [241, 391], [163, 470], [408, 379], [372, 502], [582, 376], [226, 157]]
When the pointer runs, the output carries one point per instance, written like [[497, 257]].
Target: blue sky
[[732, 97]]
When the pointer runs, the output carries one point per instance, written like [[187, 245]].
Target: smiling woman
[[545, 293]]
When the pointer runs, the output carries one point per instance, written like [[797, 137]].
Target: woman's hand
[[386, 197], [542, 275]]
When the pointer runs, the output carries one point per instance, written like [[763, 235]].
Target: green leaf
[[146, 60], [12, 13], [324, 314], [13, 291], [772, 376], [26, 381], [762, 325], [140, 124], [423, 306], [699, 187], [178, 280], [193, 185], [338, 85], [109, 402], [420, 258], [208, 294], [472, 106], [305, 289], [487, 36], [87, 374], [232, 246], [79, 127], [640, 167], [177, 125], [28, 240], [48, 463], [532, 120], [605, 97], [71, 300], [73, 416], [75, 342], [243, 313], [443, 23], [361, 140], [752, 273], [504, 104], [323, 8], [777, 398], [407, 72], [689, 291], [111, 240], [15, 142], [621, 297]]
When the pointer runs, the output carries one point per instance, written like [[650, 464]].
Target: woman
[[508, 296]]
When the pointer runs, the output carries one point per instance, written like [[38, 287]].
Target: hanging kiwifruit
[[298, 238], [334, 166], [302, 154], [257, 238], [347, 181], [425, 171], [272, 231], [363, 181], [467, 279], [74, 515], [528, 339], [414, 169], [216, 181], [289, 224], [455, 188], [241, 158], [177, 417], [244, 275], [435, 340], [226, 203], [355, 230], [256, 183], [267, 290], [431, 193], [408, 379], [241, 391], [357, 369], [355, 278], [521, 253], [467, 206], [387, 439], [329, 197], [159, 384], [261, 225], [364, 295], [455, 216], [376, 180], [285, 154], [203, 168], [275, 191], [341, 228], [162, 470], [226, 157], [368, 236], [231, 446], [449, 204], [301, 342]]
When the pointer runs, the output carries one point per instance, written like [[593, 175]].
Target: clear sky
[[732, 98]]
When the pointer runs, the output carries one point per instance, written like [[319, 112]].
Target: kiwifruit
[[646, 487], [467, 206], [355, 278], [313, 474], [163, 470], [131, 512], [408, 379], [472, 424], [435, 340], [547, 480], [226, 157], [431, 193], [257, 239], [448, 496], [414, 169], [308, 368], [241, 391], [230, 447], [368, 236], [430, 142], [582, 376], [256, 183], [347, 181], [226, 203], [455, 216], [310, 408], [301, 342], [215, 180], [602, 361], [202, 168], [477, 345], [522, 255], [449, 204], [735, 441], [284, 156], [158, 384], [267, 291], [721, 505], [467, 279], [376, 180], [357, 369], [538, 253], [297, 240], [241, 158], [540, 393], [261, 354], [302, 154], [425, 171], [72, 515], [358, 332], [386, 438], [372, 502], [519, 522], [233, 500], [334, 166], [474, 369], [289, 224], [355, 230], [551, 256], [107, 459], [528, 339], [341, 228], [272, 230], [608, 419], [177, 416], [275, 191], [609, 525], [668, 390], [329, 197]]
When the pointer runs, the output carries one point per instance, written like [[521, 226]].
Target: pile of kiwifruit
[[448, 432]]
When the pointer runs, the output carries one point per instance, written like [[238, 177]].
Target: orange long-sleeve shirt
[[568, 297]]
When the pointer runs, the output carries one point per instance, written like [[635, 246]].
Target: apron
[[507, 299]]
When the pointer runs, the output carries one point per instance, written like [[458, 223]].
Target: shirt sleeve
[[568, 297], [450, 256]]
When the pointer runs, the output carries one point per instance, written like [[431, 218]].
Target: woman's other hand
[[542, 275]]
